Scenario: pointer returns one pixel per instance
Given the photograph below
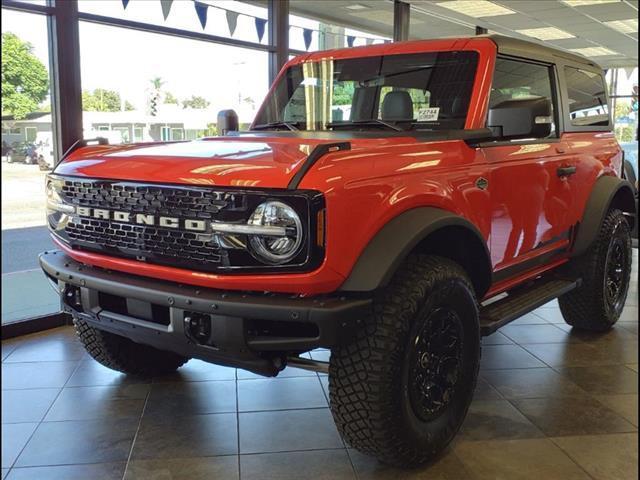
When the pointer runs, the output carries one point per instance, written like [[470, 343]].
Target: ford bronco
[[392, 203]]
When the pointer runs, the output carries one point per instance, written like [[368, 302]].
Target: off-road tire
[[586, 307], [124, 355], [369, 380]]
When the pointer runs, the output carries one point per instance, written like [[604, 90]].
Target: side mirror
[[227, 122], [521, 118]]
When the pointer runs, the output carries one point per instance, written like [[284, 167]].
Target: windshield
[[423, 91]]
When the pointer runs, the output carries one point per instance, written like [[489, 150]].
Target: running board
[[523, 301]]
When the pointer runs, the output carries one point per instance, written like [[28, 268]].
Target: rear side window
[[587, 99], [514, 79]]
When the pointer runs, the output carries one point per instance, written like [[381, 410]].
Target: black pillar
[[278, 19], [66, 90], [481, 30], [400, 21]]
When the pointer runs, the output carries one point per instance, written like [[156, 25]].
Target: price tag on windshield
[[428, 114]]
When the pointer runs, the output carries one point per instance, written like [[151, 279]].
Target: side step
[[523, 301]]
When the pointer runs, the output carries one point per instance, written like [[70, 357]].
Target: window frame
[[556, 100], [568, 126]]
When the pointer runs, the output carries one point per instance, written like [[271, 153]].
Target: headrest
[[397, 105]]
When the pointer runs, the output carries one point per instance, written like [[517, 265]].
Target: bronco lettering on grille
[[190, 224]]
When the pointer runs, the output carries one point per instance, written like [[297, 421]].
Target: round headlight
[[282, 245]]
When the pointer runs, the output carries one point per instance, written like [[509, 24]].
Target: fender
[[392, 244], [608, 191]]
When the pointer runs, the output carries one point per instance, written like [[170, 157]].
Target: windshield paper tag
[[428, 114]]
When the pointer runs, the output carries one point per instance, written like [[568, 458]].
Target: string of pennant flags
[[202, 8]]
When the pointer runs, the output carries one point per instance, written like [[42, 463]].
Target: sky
[[126, 60]]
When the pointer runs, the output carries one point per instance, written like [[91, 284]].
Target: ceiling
[[607, 28]]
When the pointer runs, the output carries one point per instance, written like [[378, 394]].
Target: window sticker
[[428, 114]]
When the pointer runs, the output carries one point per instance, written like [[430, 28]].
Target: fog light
[[197, 327]]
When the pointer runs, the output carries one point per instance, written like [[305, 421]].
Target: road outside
[[24, 236]]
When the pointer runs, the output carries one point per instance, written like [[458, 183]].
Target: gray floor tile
[[100, 471], [205, 468], [551, 315], [530, 319], [93, 403], [68, 443], [633, 366], [90, 373], [186, 436], [508, 356], [198, 371], [27, 405], [580, 415], [537, 334], [518, 460], [610, 379], [446, 466], [263, 432], [629, 327], [191, 398], [288, 372], [14, 438], [584, 354], [531, 383], [496, 419], [280, 394], [5, 471], [321, 355], [624, 405], [314, 465], [485, 391], [617, 335], [629, 314], [36, 375], [496, 338], [604, 457], [7, 348], [52, 351]]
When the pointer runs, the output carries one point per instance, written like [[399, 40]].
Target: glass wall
[[623, 85], [167, 88], [27, 154]]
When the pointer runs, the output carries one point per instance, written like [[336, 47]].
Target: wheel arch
[[608, 192], [423, 230]]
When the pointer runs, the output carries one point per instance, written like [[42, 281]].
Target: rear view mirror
[[521, 118], [227, 122]]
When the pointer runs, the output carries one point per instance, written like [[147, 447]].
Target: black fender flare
[[608, 192], [385, 252]]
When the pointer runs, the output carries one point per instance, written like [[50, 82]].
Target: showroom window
[[27, 154]]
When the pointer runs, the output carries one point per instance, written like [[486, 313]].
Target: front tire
[[402, 389], [605, 271], [124, 355]]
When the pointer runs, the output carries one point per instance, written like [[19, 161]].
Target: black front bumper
[[253, 331]]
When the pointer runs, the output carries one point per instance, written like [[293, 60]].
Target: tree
[[343, 93], [196, 102], [101, 100], [25, 80], [128, 106], [170, 98], [154, 99]]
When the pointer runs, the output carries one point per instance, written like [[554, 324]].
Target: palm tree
[[157, 83]]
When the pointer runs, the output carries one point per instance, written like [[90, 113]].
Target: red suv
[[392, 203]]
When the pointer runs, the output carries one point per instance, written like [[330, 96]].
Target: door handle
[[566, 171]]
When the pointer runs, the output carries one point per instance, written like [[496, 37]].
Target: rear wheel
[[605, 271], [401, 390], [121, 354]]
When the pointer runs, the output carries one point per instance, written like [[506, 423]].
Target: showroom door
[[529, 179]]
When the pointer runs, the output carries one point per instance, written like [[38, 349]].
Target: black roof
[[534, 50]]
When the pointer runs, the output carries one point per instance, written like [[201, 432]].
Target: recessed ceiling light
[[546, 33], [356, 6], [476, 8], [624, 26], [582, 3], [594, 51]]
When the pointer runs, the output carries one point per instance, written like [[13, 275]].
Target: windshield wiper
[[373, 121], [267, 126]]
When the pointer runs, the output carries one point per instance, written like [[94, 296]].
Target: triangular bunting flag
[[125, 3], [628, 72], [350, 40], [166, 7], [201, 11], [232, 21], [306, 33], [260, 24]]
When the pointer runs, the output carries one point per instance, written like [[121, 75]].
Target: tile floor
[[550, 404]]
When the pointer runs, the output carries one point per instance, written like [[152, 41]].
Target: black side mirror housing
[[521, 118], [227, 122]]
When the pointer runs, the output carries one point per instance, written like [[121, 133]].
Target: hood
[[268, 162]]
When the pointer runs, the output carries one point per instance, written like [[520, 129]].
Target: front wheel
[[605, 271], [401, 390]]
